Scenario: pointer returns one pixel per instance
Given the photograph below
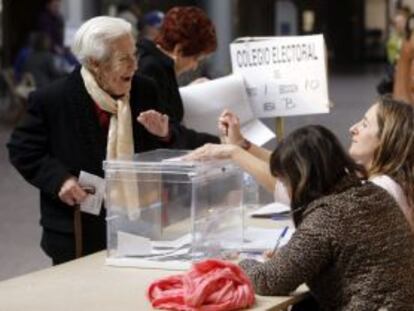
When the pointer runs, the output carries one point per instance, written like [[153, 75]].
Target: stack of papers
[[271, 210], [131, 245]]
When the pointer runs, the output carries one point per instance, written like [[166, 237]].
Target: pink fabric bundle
[[210, 285]]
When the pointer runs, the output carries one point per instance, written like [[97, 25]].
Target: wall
[[375, 15], [286, 18]]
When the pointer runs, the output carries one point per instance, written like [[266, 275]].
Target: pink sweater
[[210, 285]]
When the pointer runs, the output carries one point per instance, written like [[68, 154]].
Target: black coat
[[60, 135], [155, 64]]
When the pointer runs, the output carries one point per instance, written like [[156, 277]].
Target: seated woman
[[382, 142], [341, 248]]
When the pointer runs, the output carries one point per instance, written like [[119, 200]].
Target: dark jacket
[[354, 249], [155, 64], [41, 65], [60, 135], [52, 25]]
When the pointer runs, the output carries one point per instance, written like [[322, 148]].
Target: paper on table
[[148, 264], [260, 239], [180, 242], [93, 202], [133, 245], [204, 102], [270, 210]]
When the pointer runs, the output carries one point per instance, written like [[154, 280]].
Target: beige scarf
[[123, 191], [120, 139]]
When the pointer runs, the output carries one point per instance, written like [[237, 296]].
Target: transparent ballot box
[[162, 209]]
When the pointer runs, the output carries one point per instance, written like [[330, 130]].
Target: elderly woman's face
[[114, 75]]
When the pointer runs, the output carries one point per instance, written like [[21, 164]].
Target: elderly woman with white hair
[[100, 111]]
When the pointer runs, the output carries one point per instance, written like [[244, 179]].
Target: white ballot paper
[[133, 245], [270, 210], [204, 102], [93, 202]]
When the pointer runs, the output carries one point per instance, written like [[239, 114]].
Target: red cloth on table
[[210, 285]]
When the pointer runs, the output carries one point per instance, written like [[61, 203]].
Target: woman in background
[[187, 36]]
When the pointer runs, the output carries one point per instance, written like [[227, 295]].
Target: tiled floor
[[20, 253]]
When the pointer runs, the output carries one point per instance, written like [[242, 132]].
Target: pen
[[280, 216], [279, 239]]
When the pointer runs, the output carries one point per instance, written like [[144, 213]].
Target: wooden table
[[87, 284]]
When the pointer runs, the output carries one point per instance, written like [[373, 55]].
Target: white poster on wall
[[284, 76]]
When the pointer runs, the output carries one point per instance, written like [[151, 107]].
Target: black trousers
[[60, 246]]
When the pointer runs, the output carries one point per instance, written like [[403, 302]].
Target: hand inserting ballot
[[229, 127]]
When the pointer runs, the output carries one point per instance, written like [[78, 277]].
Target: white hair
[[93, 36]]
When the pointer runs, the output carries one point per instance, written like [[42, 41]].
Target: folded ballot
[[204, 102]]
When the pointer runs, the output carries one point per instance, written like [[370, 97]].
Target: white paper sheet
[[180, 242], [260, 239], [270, 209], [93, 202], [174, 265], [203, 104], [132, 245]]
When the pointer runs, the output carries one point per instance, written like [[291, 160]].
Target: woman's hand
[[211, 151], [229, 127], [156, 123], [268, 254], [200, 80]]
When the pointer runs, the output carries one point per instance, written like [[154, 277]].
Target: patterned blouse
[[354, 249]]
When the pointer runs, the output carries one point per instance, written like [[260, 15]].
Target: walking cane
[[77, 220]]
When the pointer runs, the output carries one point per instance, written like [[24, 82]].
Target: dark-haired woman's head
[[189, 34], [310, 162]]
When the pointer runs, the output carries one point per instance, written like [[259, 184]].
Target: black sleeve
[[167, 87], [185, 138], [29, 150], [182, 137], [156, 74], [145, 97], [52, 69]]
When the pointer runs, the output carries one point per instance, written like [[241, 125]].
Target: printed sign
[[284, 76]]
